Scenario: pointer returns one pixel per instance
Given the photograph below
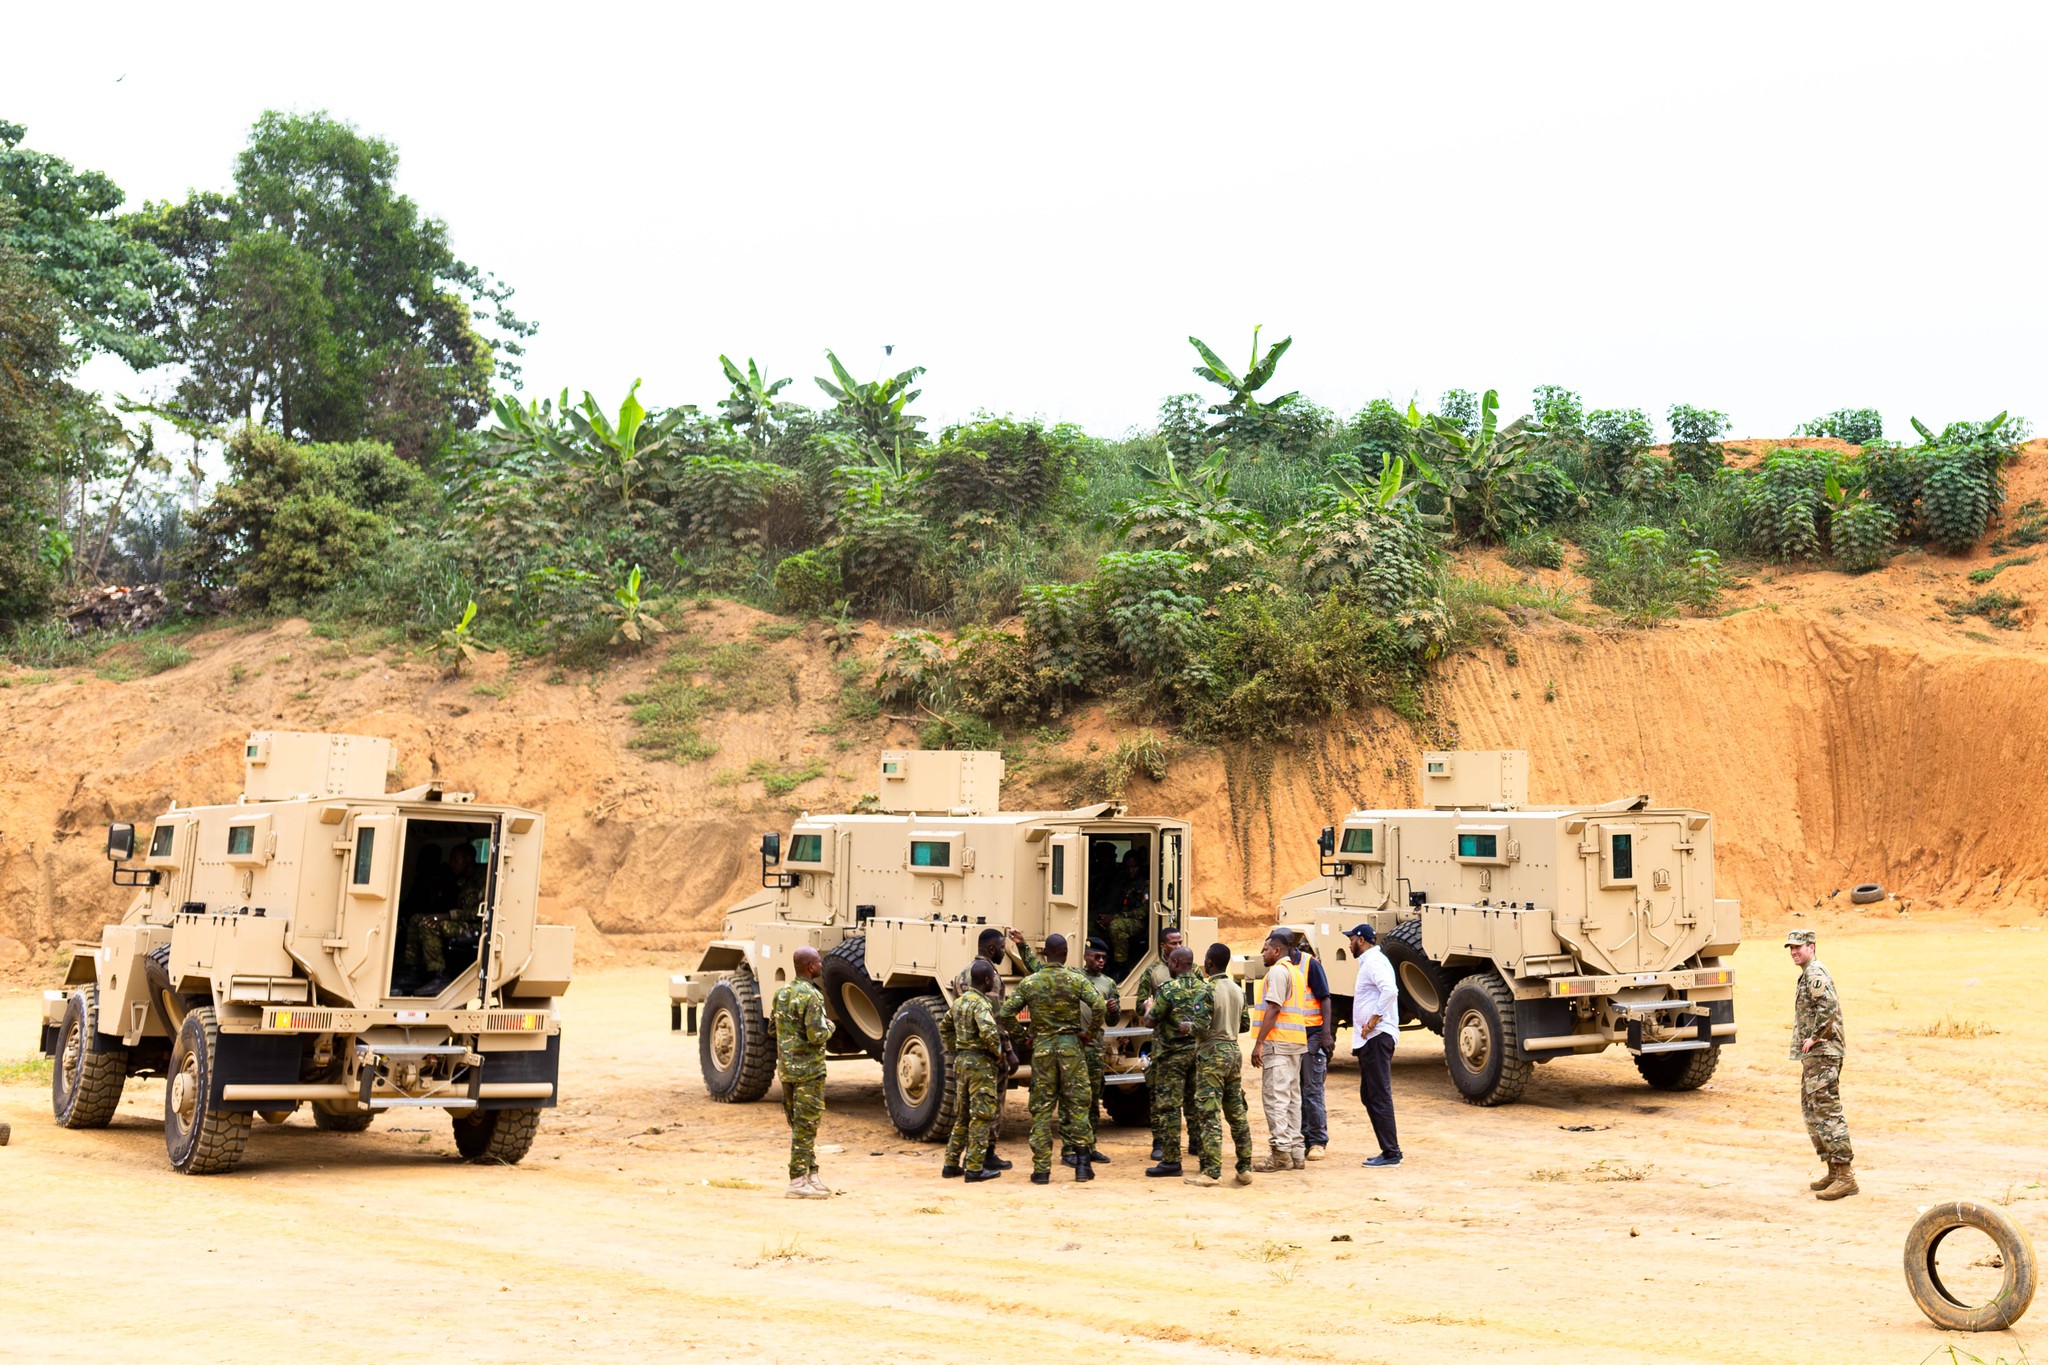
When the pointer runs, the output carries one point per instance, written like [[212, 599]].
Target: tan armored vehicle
[[896, 902], [1526, 933], [320, 942]]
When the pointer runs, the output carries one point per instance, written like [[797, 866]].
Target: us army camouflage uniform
[[801, 1029], [1106, 986], [1056, 998], [1182, 1000], [1817, 1014], [970, 1026], [1219, 1081]]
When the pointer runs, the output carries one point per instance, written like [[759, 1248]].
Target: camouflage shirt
[[1105, 986], [1057, 998], [970, 1025], [1817, 1014], [1156, 975], [1183, 1000], [801, 1030]]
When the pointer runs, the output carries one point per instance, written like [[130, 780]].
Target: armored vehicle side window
[[160, 840], [1623, 858], [241, 839], [930, 853], [1478, 846], [1059, 870], [366, 848], [807, 848], [1358, 841]]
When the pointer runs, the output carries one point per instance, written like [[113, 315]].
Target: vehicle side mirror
[[1327, 840], [771, 849], [120, 843]]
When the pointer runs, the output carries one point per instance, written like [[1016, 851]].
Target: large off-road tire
[[1687, 1070], [200, 1141], [733, 1043], [342, 1118], [1423, 988], [917, 1071], [156, 970], [1482, 1047], [1937, 1301], [861, 1008], [501, 1135], [85, 1083]]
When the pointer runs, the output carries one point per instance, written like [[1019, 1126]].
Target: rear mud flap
[[541, 1065], [253, 1059], [1545, 1018]]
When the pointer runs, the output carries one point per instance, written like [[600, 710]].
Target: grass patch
[[2028, 526], [732, 1183], [26, 680], [780, 781], [49, 644], [1951, 1026], [27, 1071], [778, 630], [496, 689], [2000, 609], [1991, 571], [692, 683]]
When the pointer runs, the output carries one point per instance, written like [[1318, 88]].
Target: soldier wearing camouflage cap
[[1818, 1045]]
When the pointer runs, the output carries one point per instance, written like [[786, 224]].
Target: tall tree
[[324, 304], [35, 402], [63, 229]]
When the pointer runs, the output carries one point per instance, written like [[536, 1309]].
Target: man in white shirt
[[1375, 1024]]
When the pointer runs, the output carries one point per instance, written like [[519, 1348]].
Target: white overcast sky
[[1770, 209]]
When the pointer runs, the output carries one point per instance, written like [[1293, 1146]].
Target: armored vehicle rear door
[[1634, 919]]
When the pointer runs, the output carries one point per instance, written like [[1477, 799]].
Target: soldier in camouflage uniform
[[1157, 975], [1180, 1013], [458, 889], [1061, 1002], [989, 948], [1093, 962], [977, 1043], [801, 1030], [1818, 1045], [1219, 1086]]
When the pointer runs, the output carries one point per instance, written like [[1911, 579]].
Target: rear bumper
[[279, 1019]]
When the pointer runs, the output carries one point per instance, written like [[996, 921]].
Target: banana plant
[[751, 404], [1243, 416], [877, 409], [631, 613], [1480, 475]]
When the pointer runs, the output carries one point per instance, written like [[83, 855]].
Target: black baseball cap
[[1364, 931]]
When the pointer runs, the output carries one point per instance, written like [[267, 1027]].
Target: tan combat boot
[[1297, 1161], [802, 1188], [1827, 1178], [1842, 1186], [1315, 1153], [1274, 1160]]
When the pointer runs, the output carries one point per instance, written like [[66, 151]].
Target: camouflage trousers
[[803, 1104], [1820, 1101], [427, 944], [1219, 1098], [977, 1087], [1172, 1083], [1059, 1098]]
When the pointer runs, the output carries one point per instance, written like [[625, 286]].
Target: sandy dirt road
[[649, 1220]]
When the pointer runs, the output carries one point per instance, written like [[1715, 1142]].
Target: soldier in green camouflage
[[1157, 975], [801, 1031], [1180, 1013], [1819, 1045], [1219, 1087], [970, 1028], [1061, 1005], [1093, 963]]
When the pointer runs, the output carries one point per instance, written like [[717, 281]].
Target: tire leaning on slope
[[1482, 1046], [200, 1141], [500, 1135], [85, 1084], [733, 1043], [1934, 1298], [1679, 1070], [1423, 988], [917, 1071]]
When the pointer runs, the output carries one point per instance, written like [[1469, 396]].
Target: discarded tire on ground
[[1867, 894], [1937, 1301]]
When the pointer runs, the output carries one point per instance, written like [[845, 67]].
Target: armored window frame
[[1625, 870], [952, 842], [1375, 841], [365, 861], [163, 842], [1488, 844], [248, 841]]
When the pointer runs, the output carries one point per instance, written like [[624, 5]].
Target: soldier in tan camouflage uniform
[[970, 1027], [1219, 1089], [801, 1031], [1818, 1045]]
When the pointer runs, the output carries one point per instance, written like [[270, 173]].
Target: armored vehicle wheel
[[917, 1071], [851, 995], [85, 1084], [1421, 982], [341, 1118], [1680, 1070], [200, 1141], [1939, 1302], [501, 1135], [1129, 1106], [1481, 1045], [733, 1045]]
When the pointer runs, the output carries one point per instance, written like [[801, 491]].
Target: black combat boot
[[1194, 1144], [1041, 1177], [1158, 1150], [1083, 1168], [1097, 1157], [992, 1162], [985, 1173], [949, 1172], [1164, 1168]]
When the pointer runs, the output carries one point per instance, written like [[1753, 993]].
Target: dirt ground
[[649, 1219]]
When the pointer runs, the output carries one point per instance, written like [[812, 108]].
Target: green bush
[[1695, 433], [1861, 535], [1282, 664], [996, 464], [1645, 575], [880, 552], [1959, 490], [1785, 504], [724, 501], [1857, 426], [1615, 442], [1384, 552], [807, 582], [1535, 550]]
